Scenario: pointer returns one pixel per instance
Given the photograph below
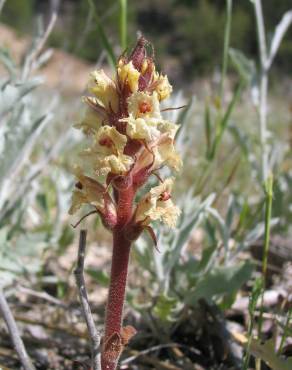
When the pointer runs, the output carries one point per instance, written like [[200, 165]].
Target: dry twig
[[93, 332], [175, 346], [42, 295], [14, 333]]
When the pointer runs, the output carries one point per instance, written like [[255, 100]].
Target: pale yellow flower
[[163, 88], [129, 140], [145, 65], [108, 140], [91, 121], [157, 205], [165, 153], [142, 129], [145, 121], [158, 153], [167, 128], [117, 164], [149, 128], [129, 75], [88, 191], [107, 152], [104, 90], [144, 105], [77, 200]]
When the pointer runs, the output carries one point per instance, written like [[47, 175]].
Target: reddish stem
[[119, 272]]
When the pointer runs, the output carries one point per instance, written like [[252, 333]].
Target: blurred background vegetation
[[216, 251], [180, 29]]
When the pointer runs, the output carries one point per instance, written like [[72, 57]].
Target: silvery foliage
[[248, 71], [276, 150], [25, 113]]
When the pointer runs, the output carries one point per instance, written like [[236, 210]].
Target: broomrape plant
[[130, 141]]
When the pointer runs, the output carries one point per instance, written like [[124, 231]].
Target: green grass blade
[[255, 294], [226, 45], [285, 331], [208, 128], [123, 24], [223, 123], [268, 215], [102, 35]]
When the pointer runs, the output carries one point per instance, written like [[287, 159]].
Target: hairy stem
[[118, 282], [119, 272]]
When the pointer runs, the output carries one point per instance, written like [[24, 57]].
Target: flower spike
[[129, 141]]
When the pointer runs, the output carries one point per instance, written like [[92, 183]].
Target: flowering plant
[[130, 142]]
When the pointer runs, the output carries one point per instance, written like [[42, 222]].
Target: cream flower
[[142, 129], [144, 105], [108, 140], [149, 128], [91, 121], [165, 153], [158, 153], [107, 152], [145, 65], [168, 128], [157, 205], [129, 75], [163, 87], [89, 191], [129, 139], [116, 164], [104, 89], [145, 121]]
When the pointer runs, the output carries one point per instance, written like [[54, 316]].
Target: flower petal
[[104, 89], [163, 87], [109, 141], [142, 129], [157, 205], [118, 165], [88, 191], [91, 121], [143, 105], [128, 75], [165, 153]]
